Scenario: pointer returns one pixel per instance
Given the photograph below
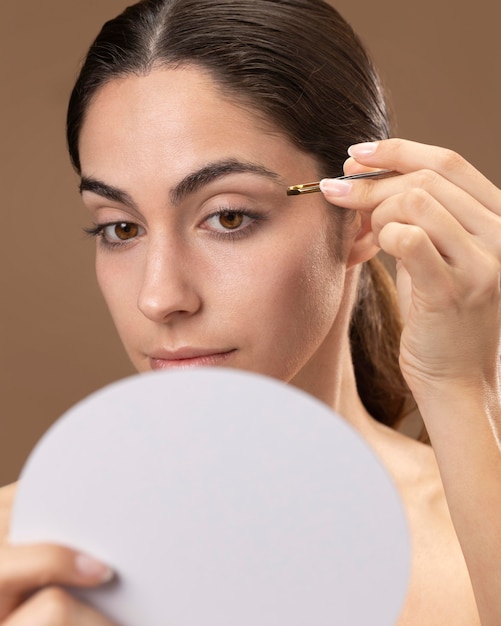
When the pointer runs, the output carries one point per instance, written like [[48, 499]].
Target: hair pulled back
[[300, 65]]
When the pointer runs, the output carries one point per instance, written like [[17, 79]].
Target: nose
[[168, 285]]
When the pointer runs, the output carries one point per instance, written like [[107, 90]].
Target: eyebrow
[[188, 185], [207, 174], [106, 191]]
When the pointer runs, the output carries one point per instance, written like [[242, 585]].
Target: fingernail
[[89, 567], [363, 149], [335, 187]]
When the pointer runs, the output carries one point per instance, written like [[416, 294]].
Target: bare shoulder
[[6, 501]]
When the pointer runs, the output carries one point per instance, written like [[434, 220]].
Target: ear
[[363, 247]]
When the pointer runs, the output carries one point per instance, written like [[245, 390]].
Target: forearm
[[464, 425]]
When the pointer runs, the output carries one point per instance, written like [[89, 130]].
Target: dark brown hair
[[301, 65]]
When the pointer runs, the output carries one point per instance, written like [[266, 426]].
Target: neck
[[332, 381], [329, 375]]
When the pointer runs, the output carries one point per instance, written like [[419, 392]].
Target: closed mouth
[[189, 357]]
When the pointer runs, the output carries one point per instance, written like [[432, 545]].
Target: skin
[[239, 290], [184, 291]]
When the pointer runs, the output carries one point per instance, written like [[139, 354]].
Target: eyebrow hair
[[195, 181], [106, 191], [188, 185]]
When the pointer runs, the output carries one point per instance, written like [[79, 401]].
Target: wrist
[[461, 414]]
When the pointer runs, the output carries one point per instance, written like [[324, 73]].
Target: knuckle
[[397, 144], [479, 284], [487, 282], [411, 239], [417, 199], [426, 178], [450, 160]]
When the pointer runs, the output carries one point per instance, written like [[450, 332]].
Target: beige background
[[440, 61]]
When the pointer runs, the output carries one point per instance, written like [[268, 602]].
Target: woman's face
[[201, 256]]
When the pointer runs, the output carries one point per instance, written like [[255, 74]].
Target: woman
[[189, 120]]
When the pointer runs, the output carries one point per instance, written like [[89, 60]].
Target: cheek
[[316, 283], [105, 273], [118, 285], [288, 281], [295, 295]]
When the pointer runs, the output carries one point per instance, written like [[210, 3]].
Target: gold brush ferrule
[[298, 190]]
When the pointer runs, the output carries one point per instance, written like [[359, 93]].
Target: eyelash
[[240, 233], [98, 231]]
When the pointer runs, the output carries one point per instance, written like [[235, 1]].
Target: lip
[[189, 357]]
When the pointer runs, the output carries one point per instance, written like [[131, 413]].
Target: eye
[[230, 220], [116, 234], [120, 232]]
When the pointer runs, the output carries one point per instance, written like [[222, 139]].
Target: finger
[[417, 254], [407, 156], [54, 607], [418, 208], [352, 166], [366, 194], [476, 281], [24, 569]]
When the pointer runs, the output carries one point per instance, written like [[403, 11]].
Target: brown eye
[[230, 220], [125, 231], [120, 232]]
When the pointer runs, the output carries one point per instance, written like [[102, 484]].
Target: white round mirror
[[220, 498]]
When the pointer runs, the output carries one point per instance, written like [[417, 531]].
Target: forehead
[[171, 101], [173, 120]]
